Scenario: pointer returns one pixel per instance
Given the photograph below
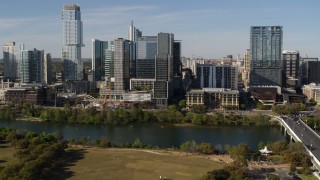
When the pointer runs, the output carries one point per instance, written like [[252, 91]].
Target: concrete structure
[[142, 84], [290, 68], [192, 64], [121, 67], [99, 49], [301, 132], [310, 71], [267, 95], [266, 56], [137, 96], [32, 66], [47, 68], [217, 76], [10, 63], [246, 71], [72, 43], [34, 95], [312, 90], [217, 98]]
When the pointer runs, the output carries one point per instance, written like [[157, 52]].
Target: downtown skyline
[[207, 29]]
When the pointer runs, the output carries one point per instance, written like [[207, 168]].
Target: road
[[310, 139]]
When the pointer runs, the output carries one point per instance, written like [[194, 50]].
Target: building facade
[[246, 71], [162, 90], [99, 49], [47, 68], [10, 61], [291, 61], [133, 35], [146, 49], [312, 90], [72, 43], [266, 56], [309, 70], [121, 79], [217, 98], [217, 76], [32, 66]]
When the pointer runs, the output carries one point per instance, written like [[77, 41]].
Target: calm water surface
[[156, 134]]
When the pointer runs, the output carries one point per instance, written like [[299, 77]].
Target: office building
[[177, 69], [217, 98], [310, 71], [99, 49], [133, 35], [146, 49], [32, 66], [217, 76], [72, 43], [109, 58], [121, 68], [164, 70], [312, 91], [266, 56], [290, 68], [47, 68], [10, 62], [246, 71]]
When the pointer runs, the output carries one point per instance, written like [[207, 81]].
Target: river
[[156, 134]]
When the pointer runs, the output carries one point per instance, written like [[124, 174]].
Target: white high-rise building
[[9, 61], [72, 43]]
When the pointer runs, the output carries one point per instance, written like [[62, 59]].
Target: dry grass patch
[[140, 164]]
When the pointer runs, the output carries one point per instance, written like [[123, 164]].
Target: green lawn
[[6, 154], [137, 164]]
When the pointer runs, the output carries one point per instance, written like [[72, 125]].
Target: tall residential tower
[[72, 43], [266, 56]]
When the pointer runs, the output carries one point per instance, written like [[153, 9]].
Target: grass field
[[139, 164], [6, 154]]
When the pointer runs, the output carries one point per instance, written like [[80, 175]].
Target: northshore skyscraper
[[266, 56], [72, 43]]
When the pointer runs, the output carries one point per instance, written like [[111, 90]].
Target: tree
[[205, 148], [182, 104], [239, 154], [278, 146], [189, 146], [137, 143], [219, 174]]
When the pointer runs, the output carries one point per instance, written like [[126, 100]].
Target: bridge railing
[[314, 159]]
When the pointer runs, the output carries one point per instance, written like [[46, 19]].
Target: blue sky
[[207, 28]]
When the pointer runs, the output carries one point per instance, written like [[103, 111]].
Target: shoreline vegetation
[[173, 115], [39, 156]]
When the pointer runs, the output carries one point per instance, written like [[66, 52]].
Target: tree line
[[173, 114]]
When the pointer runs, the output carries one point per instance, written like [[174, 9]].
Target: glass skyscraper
[[32, 66], [146, 47], [266, 56], [98, 59], [72, 43]]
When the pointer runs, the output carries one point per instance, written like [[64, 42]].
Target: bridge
[[301, 132]]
